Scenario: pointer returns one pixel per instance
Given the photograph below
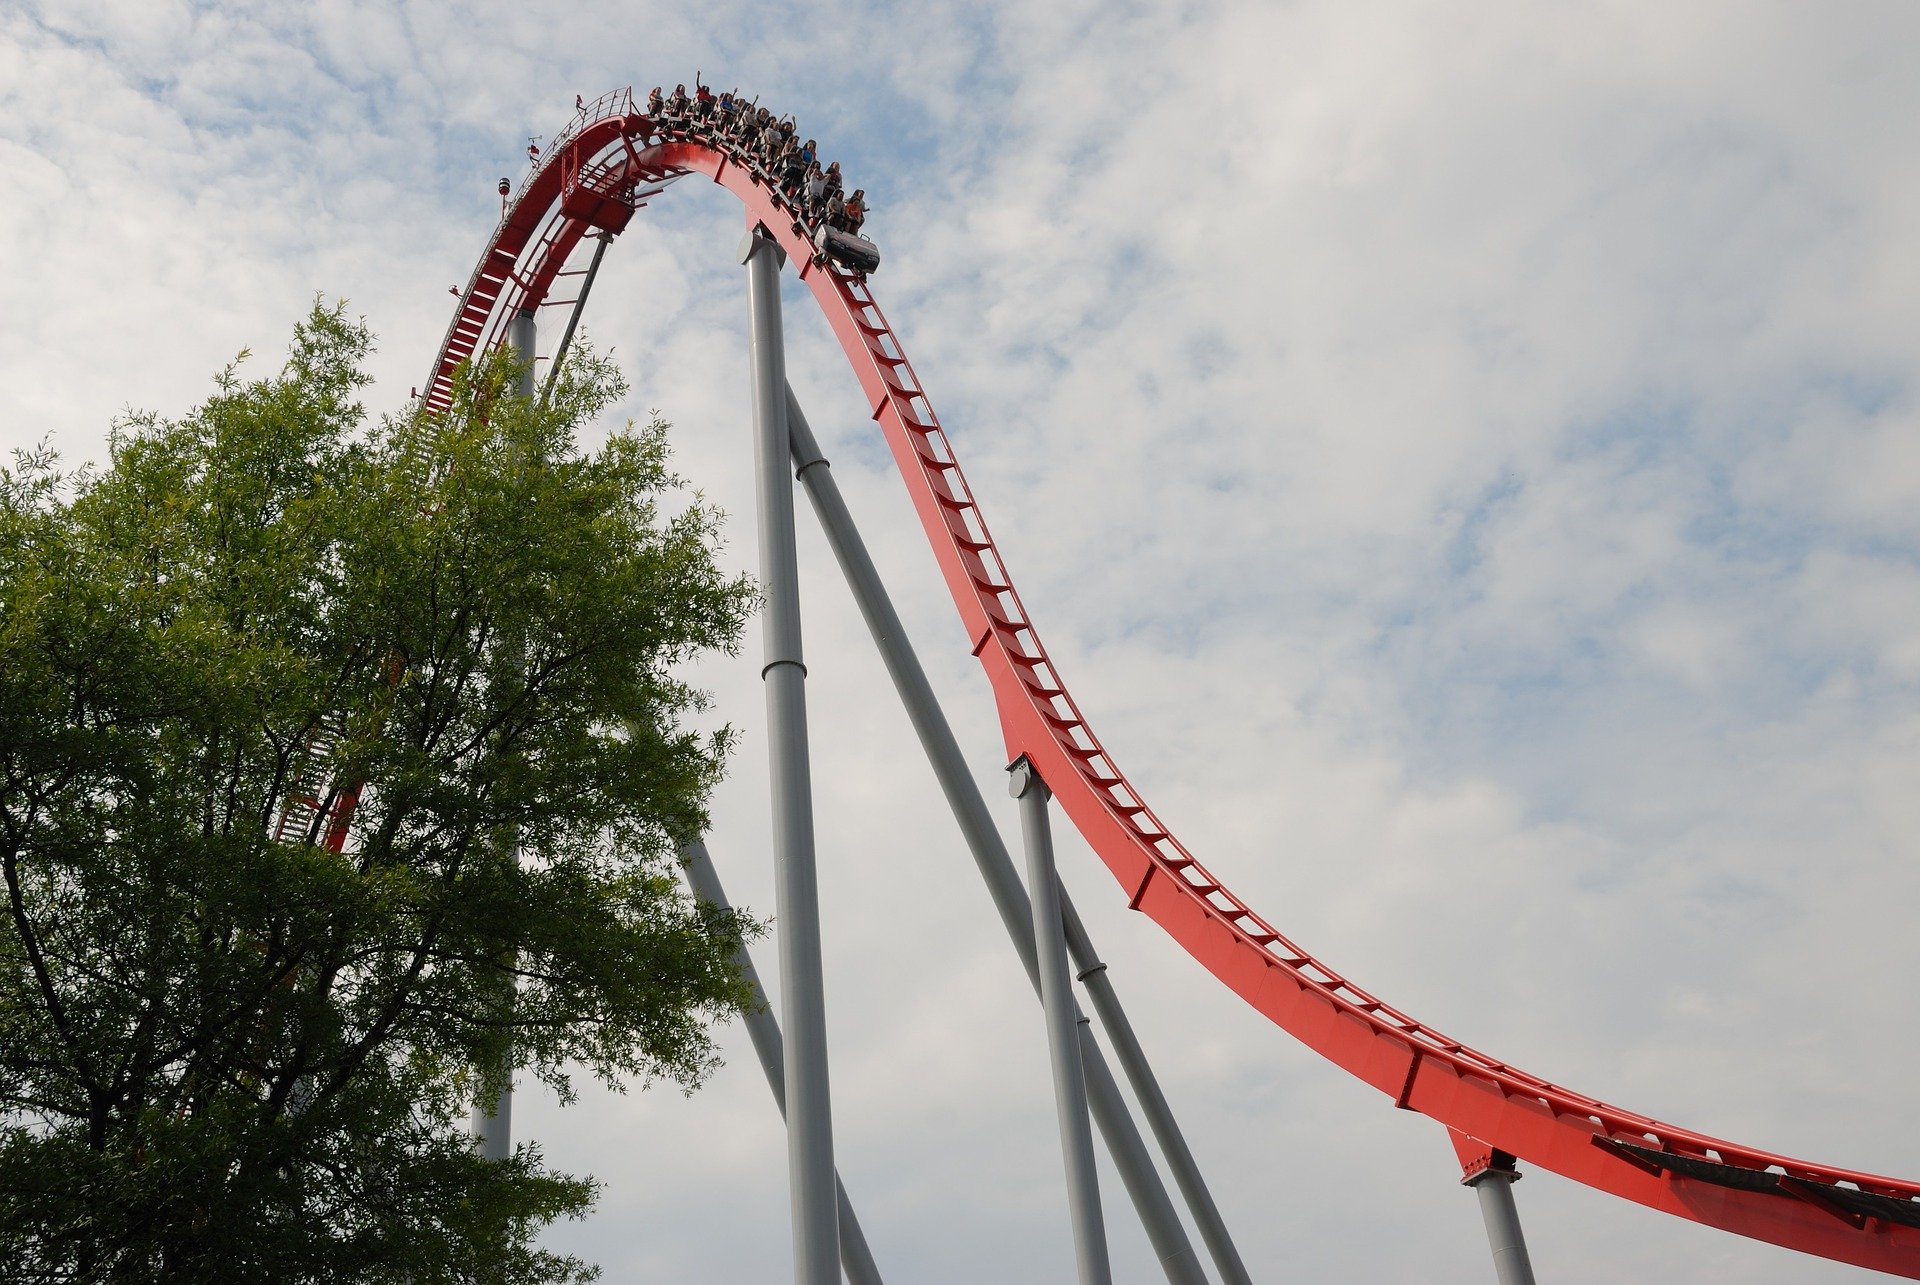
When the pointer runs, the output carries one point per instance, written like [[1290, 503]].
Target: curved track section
[[611, 151]]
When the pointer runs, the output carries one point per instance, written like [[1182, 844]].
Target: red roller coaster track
[[607, 163]]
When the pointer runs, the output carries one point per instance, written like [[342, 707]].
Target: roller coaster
[[610, 161]]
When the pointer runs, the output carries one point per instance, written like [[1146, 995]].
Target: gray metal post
[[816, 1251], [1063, 1044], [605, 239], [492, 1124], [1153, 1102], [856, 1258], [1494, 1186], [520, 340], [1129, 1151]]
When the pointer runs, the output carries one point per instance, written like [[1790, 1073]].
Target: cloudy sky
[[1463, 457]]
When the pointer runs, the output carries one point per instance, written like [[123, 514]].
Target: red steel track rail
[[1857, 1218]]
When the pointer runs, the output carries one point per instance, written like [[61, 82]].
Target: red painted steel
[[1486, 1101]]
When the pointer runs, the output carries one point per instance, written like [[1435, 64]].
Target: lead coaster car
[[846, 249]]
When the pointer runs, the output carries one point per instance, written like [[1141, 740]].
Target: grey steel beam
[[856, 1258], [1129, 1151], [1494, 1186], [573, 318], [492, 1124], [521, 332], [810, 1172], [1153, 1102], [1062, 1019]]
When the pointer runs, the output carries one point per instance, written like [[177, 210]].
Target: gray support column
[[520, 340], [492, 1124], [764, 1030], [1062, 1019], [816, 1251], [605, 239], [1153, 1102], [1494, 1186], [1129, 1151]]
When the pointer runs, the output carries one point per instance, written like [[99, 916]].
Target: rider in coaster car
[[655, 103], [793, 171], [702, 102], [836, 212], [833, 178], [816, 191], [809, 152], [855, 211], [677, 105]]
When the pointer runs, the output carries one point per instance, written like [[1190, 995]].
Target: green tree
[[229, 1057]]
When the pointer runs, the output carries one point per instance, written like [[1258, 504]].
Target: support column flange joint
[[756, 237], [1023, 776]]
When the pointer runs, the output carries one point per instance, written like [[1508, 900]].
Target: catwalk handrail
[[1776, 1198]]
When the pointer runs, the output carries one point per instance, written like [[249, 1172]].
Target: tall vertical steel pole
[[1062, 1018], [856, 1258], [520, 341], [816, 1249], [493, 1122], [1494, 1186], [1129, 1151]]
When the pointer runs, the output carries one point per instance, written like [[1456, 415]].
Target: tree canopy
[[226, 1055]]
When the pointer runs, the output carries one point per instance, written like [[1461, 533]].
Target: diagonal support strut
[[1063, 1022], [856, 1258], [1108, 1107]]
